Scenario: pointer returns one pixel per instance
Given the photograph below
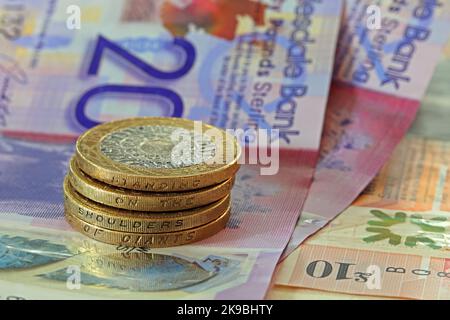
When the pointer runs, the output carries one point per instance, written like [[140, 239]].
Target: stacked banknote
[[398, 226], [151, 182]]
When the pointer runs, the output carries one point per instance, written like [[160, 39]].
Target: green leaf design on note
[[431, 232]]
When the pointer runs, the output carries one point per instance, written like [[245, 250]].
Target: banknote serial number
[[226, 310]]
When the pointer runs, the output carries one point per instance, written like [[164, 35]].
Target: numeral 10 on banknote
[[324, 269]]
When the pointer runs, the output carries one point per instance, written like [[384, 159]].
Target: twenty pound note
[[261, 65], [381, 74]]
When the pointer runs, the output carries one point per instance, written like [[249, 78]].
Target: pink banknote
[[264, 65], [381, 74]]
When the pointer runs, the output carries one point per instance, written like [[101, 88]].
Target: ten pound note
[[236, 64]]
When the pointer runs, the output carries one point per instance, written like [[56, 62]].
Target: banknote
[[38, 263], [247, 67], [380, 75], [235, 64], [393, 241], [399, 225]]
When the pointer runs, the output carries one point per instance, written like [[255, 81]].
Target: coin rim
[[106, 194], [95, 168], [192, 218], [109, 236]]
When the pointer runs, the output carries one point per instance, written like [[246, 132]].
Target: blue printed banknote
[[66, 66]]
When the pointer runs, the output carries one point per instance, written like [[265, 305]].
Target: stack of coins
[[151, 182]]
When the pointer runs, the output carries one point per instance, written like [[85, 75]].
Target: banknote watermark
[[73, 21], [73, 281], [212, 147]]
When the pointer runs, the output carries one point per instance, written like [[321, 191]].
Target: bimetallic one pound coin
[[142, 200], [158, 154], [155, 240], [136, 221]]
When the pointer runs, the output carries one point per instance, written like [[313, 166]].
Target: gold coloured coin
[[147, 240], [142, 200], [136, 221], [158, 154]]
